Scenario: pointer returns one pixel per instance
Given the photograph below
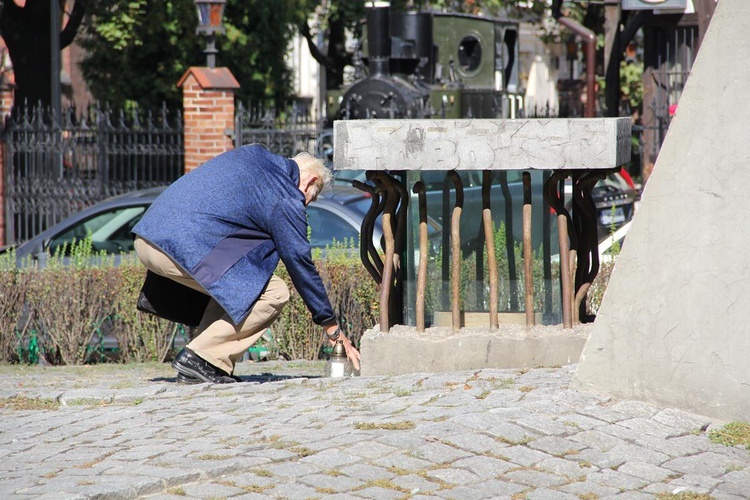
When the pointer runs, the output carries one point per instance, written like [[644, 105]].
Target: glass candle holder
[[338, 365]]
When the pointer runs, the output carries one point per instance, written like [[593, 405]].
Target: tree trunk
[[611, 31], [27, 34], [336, 57]]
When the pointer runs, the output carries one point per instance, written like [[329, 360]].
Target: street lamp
[[210, 15]]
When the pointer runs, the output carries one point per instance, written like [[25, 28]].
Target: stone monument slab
[[481, 144]]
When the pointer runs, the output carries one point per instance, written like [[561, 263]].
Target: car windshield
[[363, 205], [109, 231], [347, 176], [327, 228], [434, 180]]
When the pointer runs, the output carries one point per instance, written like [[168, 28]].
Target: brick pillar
[[208, 111], [6, 103]]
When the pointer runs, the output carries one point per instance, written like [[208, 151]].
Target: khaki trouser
[[219, 341]]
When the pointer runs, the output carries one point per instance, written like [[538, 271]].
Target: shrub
[[140, 336], [474, 293], [13, 321], [71, 308], [68, 307], [353, 294], [598, 287]]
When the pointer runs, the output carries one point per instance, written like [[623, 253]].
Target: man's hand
[[352, 354]]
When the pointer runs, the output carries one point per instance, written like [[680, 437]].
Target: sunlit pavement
[[128, 431]]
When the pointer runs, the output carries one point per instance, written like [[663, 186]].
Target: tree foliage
[[255, 47], [138, 49], [331, 21], [631, 83]]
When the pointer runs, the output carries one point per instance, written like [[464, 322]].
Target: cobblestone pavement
[[132, 432]]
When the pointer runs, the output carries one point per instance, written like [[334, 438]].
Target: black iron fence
[[283, 131], [58, 165]]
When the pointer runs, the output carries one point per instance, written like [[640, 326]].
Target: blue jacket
[[227, 223]]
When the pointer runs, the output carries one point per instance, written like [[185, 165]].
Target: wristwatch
[[334, 336]]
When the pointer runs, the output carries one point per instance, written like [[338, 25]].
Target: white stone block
[[474, 144]]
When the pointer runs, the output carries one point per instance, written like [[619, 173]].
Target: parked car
[[335, 216]]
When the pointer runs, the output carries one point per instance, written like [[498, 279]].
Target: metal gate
[[56, 166], [673, 51]]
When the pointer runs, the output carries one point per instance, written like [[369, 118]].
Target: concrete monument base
[[439, 349], [473, 319], [673, 326]]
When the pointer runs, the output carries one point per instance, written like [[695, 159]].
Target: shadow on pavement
[[255, 378]]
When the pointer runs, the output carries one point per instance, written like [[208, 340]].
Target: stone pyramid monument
[[674, 325]]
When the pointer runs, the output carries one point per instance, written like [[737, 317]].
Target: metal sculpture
[[419, 189], [389, 199], [490, 245], [528, 261], [456, 251], [563, 216]]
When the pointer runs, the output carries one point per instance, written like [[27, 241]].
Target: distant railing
[[58, 165], [283, 131]]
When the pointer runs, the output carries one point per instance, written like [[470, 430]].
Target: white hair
[[316, 167]]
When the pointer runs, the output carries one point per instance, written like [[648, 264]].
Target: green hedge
[[63, 314], [68, 314], [353, 295]]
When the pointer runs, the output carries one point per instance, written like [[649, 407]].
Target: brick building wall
[[208, 112]]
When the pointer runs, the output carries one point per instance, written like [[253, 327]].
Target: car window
[[327, 227], [363, 206], [110, 231], [434, 179], [347, 176]]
